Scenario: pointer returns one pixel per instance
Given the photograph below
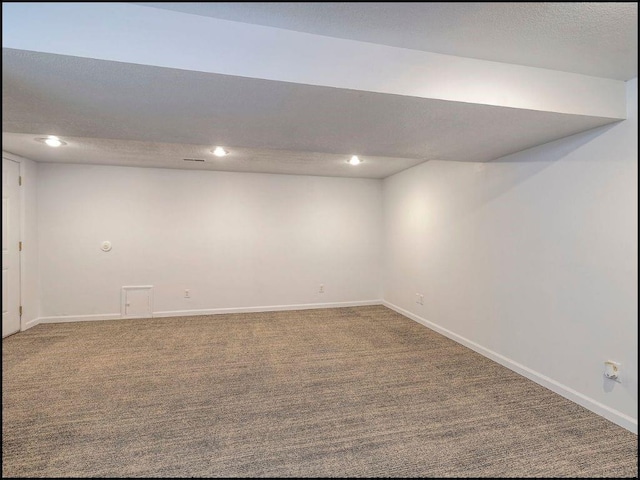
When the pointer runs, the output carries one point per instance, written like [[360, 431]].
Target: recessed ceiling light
[[219, 152], [51, 140], [354, 160]]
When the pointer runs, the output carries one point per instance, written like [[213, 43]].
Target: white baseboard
[[270, 308], [208, 311], [609, 413], [30, 324], [80, 318]]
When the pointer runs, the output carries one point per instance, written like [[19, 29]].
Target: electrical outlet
[[187, 294], [419, 299], [321, 290]]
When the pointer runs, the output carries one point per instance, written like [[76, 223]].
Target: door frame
[[31, 248], [15, 159]]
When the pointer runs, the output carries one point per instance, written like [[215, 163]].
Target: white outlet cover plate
[[612, 370]]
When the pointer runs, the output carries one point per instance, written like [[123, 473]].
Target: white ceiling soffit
[[597, 39], [282, 99], [80, 97], [157, 37]]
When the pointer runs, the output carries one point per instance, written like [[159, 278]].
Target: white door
[[10, 247]]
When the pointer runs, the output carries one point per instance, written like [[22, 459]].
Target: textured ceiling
[[170, 155], [98, 99], [142, 115], [597, 39]]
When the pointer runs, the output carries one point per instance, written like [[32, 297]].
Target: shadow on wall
[[485, 182], [557, 149]]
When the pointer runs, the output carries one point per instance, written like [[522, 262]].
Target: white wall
[[235, 240], [531, 259], [29, 268]]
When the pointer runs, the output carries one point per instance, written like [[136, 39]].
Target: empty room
[[319, 239]]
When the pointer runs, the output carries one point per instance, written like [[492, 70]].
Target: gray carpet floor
[[336, 392]]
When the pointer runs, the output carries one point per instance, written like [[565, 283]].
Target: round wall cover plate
[[106, 246]]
